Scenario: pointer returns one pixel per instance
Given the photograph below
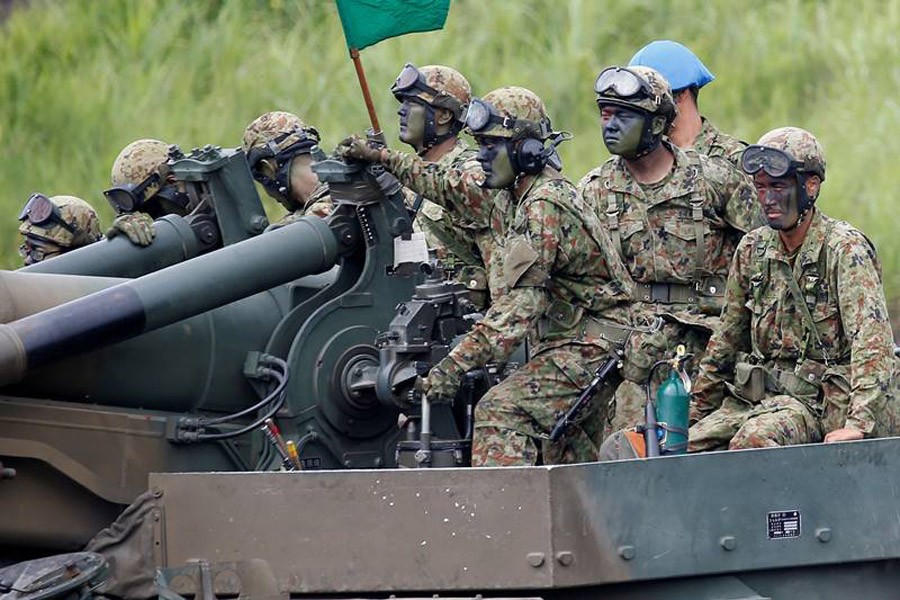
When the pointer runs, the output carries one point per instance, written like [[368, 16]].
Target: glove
[[138, 227], [442, 381], [356, 148]]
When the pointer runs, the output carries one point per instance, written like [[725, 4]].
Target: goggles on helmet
[[411, 80], [775, 162], [128, 197], [481, 115], [623, 82], [40, 210]]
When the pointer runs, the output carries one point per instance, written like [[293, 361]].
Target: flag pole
[[364, 85]]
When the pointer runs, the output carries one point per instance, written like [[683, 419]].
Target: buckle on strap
[[665, 293], [608, 330]]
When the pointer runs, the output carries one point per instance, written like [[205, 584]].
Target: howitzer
[[109, 379], [224, 209]]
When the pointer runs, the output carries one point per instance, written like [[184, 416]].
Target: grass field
[[79, 79]]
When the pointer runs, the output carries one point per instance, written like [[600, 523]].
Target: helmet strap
[[649, 141], [431, 137], [804, 202]]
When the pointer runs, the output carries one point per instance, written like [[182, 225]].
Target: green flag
[[367, 22]]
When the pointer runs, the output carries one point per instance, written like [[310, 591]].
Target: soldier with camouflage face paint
[[564, 280], [804, 351], [278, 145], [454, 210], [54, 225], [674, 216], [143, 190]]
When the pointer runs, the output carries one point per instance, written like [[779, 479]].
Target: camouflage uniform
[[805, 346], [282, 130], [717, 144], [764, 361], [677, 238], [465, 217], [51, 238], [575, 292], [565, 287]]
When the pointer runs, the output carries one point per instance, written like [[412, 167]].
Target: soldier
[[279, 146], [804, 351], [563, 278], [674, 216], [453, 209], [55, 225], [143, 190], [687, 74]]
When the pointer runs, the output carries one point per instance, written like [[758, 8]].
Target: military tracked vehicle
[[323, 325]]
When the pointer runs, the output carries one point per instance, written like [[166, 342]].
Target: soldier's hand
[[137, 227], [844, 434], [356, 148], [442, 381]]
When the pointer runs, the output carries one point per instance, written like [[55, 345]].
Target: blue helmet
[[678, 65]]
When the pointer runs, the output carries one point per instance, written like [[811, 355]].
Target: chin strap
[[432, 139], [804, 203]]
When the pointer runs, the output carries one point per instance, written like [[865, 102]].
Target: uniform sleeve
[[514, 314], [864, 317], [730, 337], [452, 187], [742, 211]]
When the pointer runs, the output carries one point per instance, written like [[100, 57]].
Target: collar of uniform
[[686, 170], [809, 250], [458, 148], [707, 137]]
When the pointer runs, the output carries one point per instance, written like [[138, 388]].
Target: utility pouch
[[642, 350], [476, 281], [561, 318], [750, 381], [711, 296]]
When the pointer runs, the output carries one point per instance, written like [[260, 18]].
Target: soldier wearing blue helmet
[[687, 74]]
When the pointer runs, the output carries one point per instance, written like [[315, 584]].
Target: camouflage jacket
[[716, 144], [838, 274], [461, 214], [319, 204], [561, 270], [682, 230]]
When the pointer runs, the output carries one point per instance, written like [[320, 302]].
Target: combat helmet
[[435, 85], [66, 221], [509, 112], [641, 88], [140, 160], [141, 181], [801, 146], [674, 61], [271, 141], [280, 130]]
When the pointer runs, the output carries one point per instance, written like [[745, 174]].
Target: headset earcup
[[528, 156]]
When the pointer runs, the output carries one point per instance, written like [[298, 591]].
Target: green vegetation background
[[79, 79]]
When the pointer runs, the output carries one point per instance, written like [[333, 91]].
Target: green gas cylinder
[[672, 407]]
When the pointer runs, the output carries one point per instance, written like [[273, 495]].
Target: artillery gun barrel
[[148, 303], [175, 242]]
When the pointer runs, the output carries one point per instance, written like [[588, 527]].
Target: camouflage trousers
[[776, 421], [643, 350], [513, 420]]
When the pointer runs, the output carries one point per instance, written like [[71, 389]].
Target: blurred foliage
[[80, 79]]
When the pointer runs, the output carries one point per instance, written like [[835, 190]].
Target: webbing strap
[[612, 218]]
